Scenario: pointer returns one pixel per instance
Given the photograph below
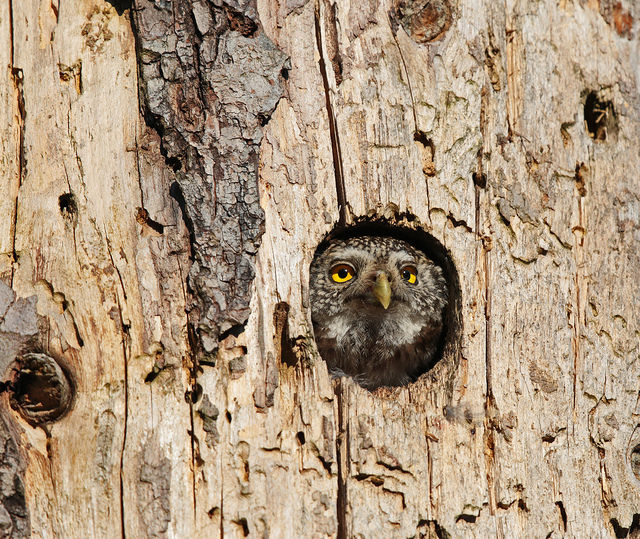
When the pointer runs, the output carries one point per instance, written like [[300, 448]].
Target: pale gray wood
[[526, 430]]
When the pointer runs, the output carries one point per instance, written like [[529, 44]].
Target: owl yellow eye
[[409, 274], [342, 273]]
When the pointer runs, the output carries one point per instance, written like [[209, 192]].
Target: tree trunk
[[169, 168]]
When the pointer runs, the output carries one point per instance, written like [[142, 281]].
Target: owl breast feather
[[377, 348]]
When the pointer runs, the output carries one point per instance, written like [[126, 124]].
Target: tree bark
[[169, 169]]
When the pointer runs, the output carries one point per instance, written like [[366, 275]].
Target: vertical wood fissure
[[17, 76], [578, 233], [193, 380], [341, 453], [417, 132], [126, 390], [489, 400], [333, 127], [124, 433], [11, 52]]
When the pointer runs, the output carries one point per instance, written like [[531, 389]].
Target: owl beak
[[382, 289]]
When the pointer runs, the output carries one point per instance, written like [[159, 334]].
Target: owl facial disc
[[382, 289], [353, 282]]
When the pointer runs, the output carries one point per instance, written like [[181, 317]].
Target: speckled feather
[[354, 333]]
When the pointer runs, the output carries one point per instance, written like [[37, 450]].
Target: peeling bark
[[210, 79], [170, 168]]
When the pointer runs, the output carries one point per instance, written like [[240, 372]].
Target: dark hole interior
[[40, 390], [121, 5], [599, 117], [448, 346], [67, 204], [37, 391]]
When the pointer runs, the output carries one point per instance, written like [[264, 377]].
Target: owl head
[[377, 305]]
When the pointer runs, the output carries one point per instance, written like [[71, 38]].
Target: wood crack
[[195, 391], [578, 232], [341, 454], [125, 340], [194, 395], [333, 128], [17, 77], [489, 441], [418, 135], [480, 186]]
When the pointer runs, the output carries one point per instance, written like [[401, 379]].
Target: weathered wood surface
[[526, 428]]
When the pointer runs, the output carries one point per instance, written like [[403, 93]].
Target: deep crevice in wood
[[283, 343], [175, 191], [563, 515], [489, 404], [341, 453], [17, 77], [333, 128], [126, 411], [632, 531]]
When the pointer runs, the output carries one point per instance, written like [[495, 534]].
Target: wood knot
[[424, 20], [39, 390]]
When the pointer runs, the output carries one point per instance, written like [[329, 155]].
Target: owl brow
[[355, 264], [349, 255], [404, 259]]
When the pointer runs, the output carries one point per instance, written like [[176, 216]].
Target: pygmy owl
[[377, 306]]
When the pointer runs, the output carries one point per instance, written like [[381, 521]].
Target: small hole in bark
[[174, 163], [466, 518], [428, 152], [599, 117], [236, 331], [151, 376], [284, 344], [448, 341], [68, 207], [421, 137], [228, 416], [214, 511], [300, 437], [244, 525], [40, 390], [194, 394], [479, 179], [563, 515]]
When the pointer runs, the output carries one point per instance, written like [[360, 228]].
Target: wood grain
[[527, 427]]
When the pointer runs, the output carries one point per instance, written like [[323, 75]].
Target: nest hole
[[448, 347], [40, 390]]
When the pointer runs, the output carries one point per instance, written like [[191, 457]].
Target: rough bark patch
[[210, 80]]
